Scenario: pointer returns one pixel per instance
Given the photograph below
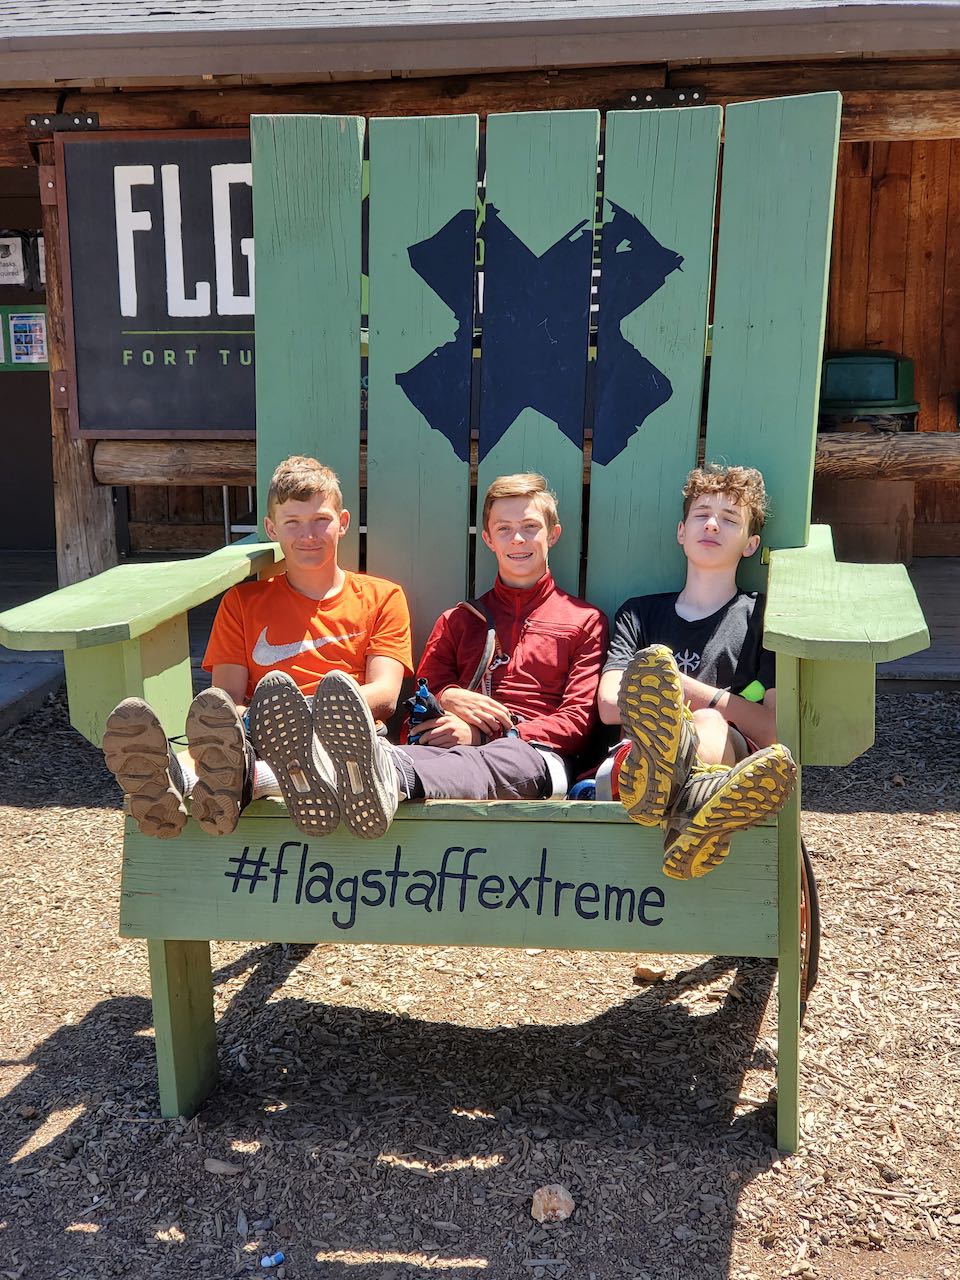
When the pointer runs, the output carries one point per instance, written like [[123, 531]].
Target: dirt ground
[[386, 1113]]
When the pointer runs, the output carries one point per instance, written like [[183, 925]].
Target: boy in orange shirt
[[311, 619]]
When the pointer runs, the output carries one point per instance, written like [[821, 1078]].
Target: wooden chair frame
[[544, 874]]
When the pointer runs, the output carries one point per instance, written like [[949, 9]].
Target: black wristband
[[716, 698]]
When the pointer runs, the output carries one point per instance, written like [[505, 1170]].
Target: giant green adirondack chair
[[544, 874]]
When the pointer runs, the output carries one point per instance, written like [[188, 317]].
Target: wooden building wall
[[895, 284], [895, 279], [180, 517]]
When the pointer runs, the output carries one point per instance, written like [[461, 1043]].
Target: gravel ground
[[388, 1113]]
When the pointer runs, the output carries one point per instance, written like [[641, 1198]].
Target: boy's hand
[[477, 709], [447, 731]]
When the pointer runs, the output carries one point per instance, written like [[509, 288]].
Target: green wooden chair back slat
[[306, 221], [540, 180], [770, 300], [541, 184], [422, 247], [659, 187]]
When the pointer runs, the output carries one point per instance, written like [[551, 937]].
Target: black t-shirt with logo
[[724, 650]]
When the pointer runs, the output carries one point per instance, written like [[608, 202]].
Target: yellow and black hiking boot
[[717, 802], [663, 740], [136, 750]]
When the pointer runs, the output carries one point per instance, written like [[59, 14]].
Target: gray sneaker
[[136, 750], [366, 775], [716, 802], [283, 736]]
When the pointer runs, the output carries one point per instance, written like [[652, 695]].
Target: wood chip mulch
[[388, 1113]]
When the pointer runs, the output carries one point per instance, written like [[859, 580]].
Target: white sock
[[264, 781]]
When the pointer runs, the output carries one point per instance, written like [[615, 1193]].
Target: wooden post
[[86, 536], [182, 988], [788, 914]]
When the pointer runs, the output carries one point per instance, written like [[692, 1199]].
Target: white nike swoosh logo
[[266, 654]]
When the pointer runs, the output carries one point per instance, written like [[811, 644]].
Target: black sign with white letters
[[160, 239]]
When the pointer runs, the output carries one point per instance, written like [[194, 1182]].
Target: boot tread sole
[[345, 727], [652, 718], [282, 734], [136, 750], [759, 791], [217, 745]]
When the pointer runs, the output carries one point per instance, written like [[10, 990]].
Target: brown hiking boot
[[663, 740], [223, 759], [136, 750], [716, 802]]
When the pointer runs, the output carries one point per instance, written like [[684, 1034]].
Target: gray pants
[[505, 769]]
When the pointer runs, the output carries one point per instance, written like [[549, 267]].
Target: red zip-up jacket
[[556, 644]]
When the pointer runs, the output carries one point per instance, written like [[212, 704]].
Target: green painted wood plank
[[306, 225], [182, 987], [129, 600], [538, 234], [423, 196], [514, 811], [837, 710], [590, 811], [266, 882], [817, 608], [788, 908], [155, 666], [776, 217], [660, 170]]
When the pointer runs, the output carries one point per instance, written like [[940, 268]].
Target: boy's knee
[[715, 743]]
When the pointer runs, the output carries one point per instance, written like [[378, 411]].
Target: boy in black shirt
[[688, 678]]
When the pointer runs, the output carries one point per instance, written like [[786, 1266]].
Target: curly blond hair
[[743, 484], [300, 478]]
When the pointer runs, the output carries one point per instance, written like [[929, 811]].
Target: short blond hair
[[743, 484], [523, 484], [299, 478]]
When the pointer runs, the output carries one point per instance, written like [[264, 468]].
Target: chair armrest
[[129, 600], [819, 609]]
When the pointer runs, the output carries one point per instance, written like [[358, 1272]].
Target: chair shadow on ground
[[374, 1124]]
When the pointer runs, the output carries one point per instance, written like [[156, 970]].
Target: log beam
[[905, 455], [922, 455], [883, 100], [803, 75], [231, 108], [175, 462]]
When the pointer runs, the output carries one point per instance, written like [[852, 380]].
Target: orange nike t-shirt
[[269, 626]]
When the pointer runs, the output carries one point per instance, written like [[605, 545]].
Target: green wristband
[[754, 692]]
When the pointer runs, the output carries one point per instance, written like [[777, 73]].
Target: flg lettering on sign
[[161, 259], [197, 298]]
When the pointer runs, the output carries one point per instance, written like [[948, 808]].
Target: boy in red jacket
[[534, 708]]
